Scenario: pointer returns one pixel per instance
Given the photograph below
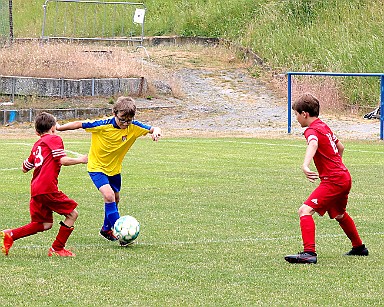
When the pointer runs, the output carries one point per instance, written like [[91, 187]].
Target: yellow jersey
[[110, 143]]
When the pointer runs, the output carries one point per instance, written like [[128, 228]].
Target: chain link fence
[[72, 20], [93, 20], [6, 24]]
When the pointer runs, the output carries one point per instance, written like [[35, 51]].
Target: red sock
[[308, 229], [349, 227], [62, 237], [27, 230]]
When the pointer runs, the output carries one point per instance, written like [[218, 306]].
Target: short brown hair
[[307, 103], [44, 122], [125, 105]]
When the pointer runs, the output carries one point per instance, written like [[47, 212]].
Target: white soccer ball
[[126, 229]]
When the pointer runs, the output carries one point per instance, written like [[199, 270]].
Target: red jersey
[[327, 158], [45, 158]]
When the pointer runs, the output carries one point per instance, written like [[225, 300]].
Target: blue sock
[[106, 225], [111, 215]]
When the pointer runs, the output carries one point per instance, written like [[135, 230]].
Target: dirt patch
[[231, 103]]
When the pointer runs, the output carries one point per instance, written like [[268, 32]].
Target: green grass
[[217, 216]]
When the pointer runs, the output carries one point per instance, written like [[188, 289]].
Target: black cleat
[[303, 257], [358, 251], [108, 234]]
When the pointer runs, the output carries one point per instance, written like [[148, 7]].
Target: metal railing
[[93, 20], [6, 21]]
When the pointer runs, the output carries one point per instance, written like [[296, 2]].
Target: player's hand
[[156, 134], [84, 159], [311, 176]]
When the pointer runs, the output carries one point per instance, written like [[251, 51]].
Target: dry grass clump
[[82, 61], [76, 61], [60, 60], [327, 90], [216, 56], [92, 60]]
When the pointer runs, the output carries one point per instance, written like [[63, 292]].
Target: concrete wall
[[50, 87]]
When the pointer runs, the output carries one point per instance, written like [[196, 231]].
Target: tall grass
[[308, 35]]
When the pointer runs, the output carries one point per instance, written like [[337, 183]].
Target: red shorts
[[41, 207], [331, 195]]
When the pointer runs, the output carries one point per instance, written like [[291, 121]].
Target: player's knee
[[109, 197], [47, 226], [305, 210], [73, 215], [339, 217], [108, 193]]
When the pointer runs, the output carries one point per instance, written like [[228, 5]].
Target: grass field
[[217, 217]]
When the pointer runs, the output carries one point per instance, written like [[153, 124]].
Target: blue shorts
[[99, 179]]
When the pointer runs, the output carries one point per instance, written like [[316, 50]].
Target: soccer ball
[[126, 229]]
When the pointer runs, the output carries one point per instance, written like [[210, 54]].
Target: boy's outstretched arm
[[309, 154], [72, 161], [155, 133], [69, 126]]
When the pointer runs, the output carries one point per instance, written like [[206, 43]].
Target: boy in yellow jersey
[[111, 140]]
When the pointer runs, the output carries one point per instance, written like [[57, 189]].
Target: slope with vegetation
[[289, 35]]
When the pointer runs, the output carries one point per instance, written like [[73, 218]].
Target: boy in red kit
[[335, 182], [46, 157]]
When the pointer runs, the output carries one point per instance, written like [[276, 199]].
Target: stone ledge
[[55, 87]]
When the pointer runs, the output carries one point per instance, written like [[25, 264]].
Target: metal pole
[[142, 29], [289, 103], [382, 107], [44, 18], [13, 89]]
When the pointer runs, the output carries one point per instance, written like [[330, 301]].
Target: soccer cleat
[[358, 251], [6, 240], [61, 253], [108, 234], [303, 257]]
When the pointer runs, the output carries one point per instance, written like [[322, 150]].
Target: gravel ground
[[218, 103], [230, 103]]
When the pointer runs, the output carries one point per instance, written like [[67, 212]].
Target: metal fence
[[93, 20], [16, 88], [6, 21], [27, 89]]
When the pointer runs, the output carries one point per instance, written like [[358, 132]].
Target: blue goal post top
[[336, 74]]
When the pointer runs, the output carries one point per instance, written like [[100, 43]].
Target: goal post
[[377, 75]]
